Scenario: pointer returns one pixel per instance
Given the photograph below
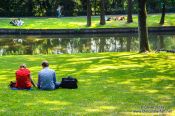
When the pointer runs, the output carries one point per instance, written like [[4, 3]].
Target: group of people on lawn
[[19, 22], [46, 78]]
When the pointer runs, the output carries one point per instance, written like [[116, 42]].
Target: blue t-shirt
[[46, 79]]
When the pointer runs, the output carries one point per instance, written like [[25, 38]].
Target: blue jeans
[[59, 13], [57, 85], [14, 88]]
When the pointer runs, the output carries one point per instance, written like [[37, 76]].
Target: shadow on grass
[[109, 84]]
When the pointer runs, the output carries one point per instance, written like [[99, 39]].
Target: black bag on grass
[[69, 83], [12, 84]]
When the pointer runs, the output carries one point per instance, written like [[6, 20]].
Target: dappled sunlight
[[169, 87], [54, 102], [107, 67], [35, 68], [127, 82], [165, 99], [93, 110], [172, 113], [101, 109], [162, 78], [101, 68], [55, 109], [104, 60], [2, 110], [109, 83], [80, 62], [86, 59], [111, 80], [154, 86], [68, 69], [7, 71], [142, 113], [151, 91], [86, 81], [33, 58], [78, 24], [30, 104], [3, 78]]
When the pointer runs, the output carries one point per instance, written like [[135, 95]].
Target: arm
[[32, 81], [39, 81], [54, 78]]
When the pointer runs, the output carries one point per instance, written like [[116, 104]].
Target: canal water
[[70, 44]]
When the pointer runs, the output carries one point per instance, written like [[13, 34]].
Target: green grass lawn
[[116, 84], [80, 22]]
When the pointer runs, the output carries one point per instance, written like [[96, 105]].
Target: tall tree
[[102, 12], [142, 28], [129, 18], [162, 20], [88, 13]]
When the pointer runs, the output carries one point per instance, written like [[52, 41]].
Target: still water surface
[[61, 44]]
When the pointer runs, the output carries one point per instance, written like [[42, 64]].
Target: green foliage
[[74, 7], [109, 84]]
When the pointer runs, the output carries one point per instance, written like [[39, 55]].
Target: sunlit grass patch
[[80, 22], [109, 84]]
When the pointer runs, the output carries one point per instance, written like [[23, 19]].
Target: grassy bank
[[80, 22], [109, 84]]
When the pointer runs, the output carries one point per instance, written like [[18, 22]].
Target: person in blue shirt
[[47, 78]]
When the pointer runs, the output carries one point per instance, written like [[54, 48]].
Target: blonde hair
[[23, 66]]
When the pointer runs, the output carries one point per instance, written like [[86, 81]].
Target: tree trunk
[[163, 13], [88, 13], [102, 12], [142, 28], [129, 18]]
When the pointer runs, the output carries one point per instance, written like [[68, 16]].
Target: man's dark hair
[[45, 64]]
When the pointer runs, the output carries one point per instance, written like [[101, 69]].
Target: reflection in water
[[56, 44]]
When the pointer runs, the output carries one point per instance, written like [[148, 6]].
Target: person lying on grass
[[23, 79], [47, 78], [17, 22]]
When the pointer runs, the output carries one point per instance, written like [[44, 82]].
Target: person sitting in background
[[23, 78], [119, 18], [20, 22], [47, 78], [17, 22], [13, 22]]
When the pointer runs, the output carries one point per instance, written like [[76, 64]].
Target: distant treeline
[[75, 7]]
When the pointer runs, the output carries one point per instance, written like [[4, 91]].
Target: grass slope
[[109, 84], [80, 22]]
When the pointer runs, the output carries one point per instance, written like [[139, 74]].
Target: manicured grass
[[109, 84], [80, 22]]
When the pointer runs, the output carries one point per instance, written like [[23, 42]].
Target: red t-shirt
[[23, 78]]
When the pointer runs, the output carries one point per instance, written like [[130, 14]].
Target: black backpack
[[12, 84], [69, 83]]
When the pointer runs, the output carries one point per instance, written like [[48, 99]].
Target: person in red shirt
[[23, 78]]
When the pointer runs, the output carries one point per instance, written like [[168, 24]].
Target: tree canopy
[[75, 7]]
